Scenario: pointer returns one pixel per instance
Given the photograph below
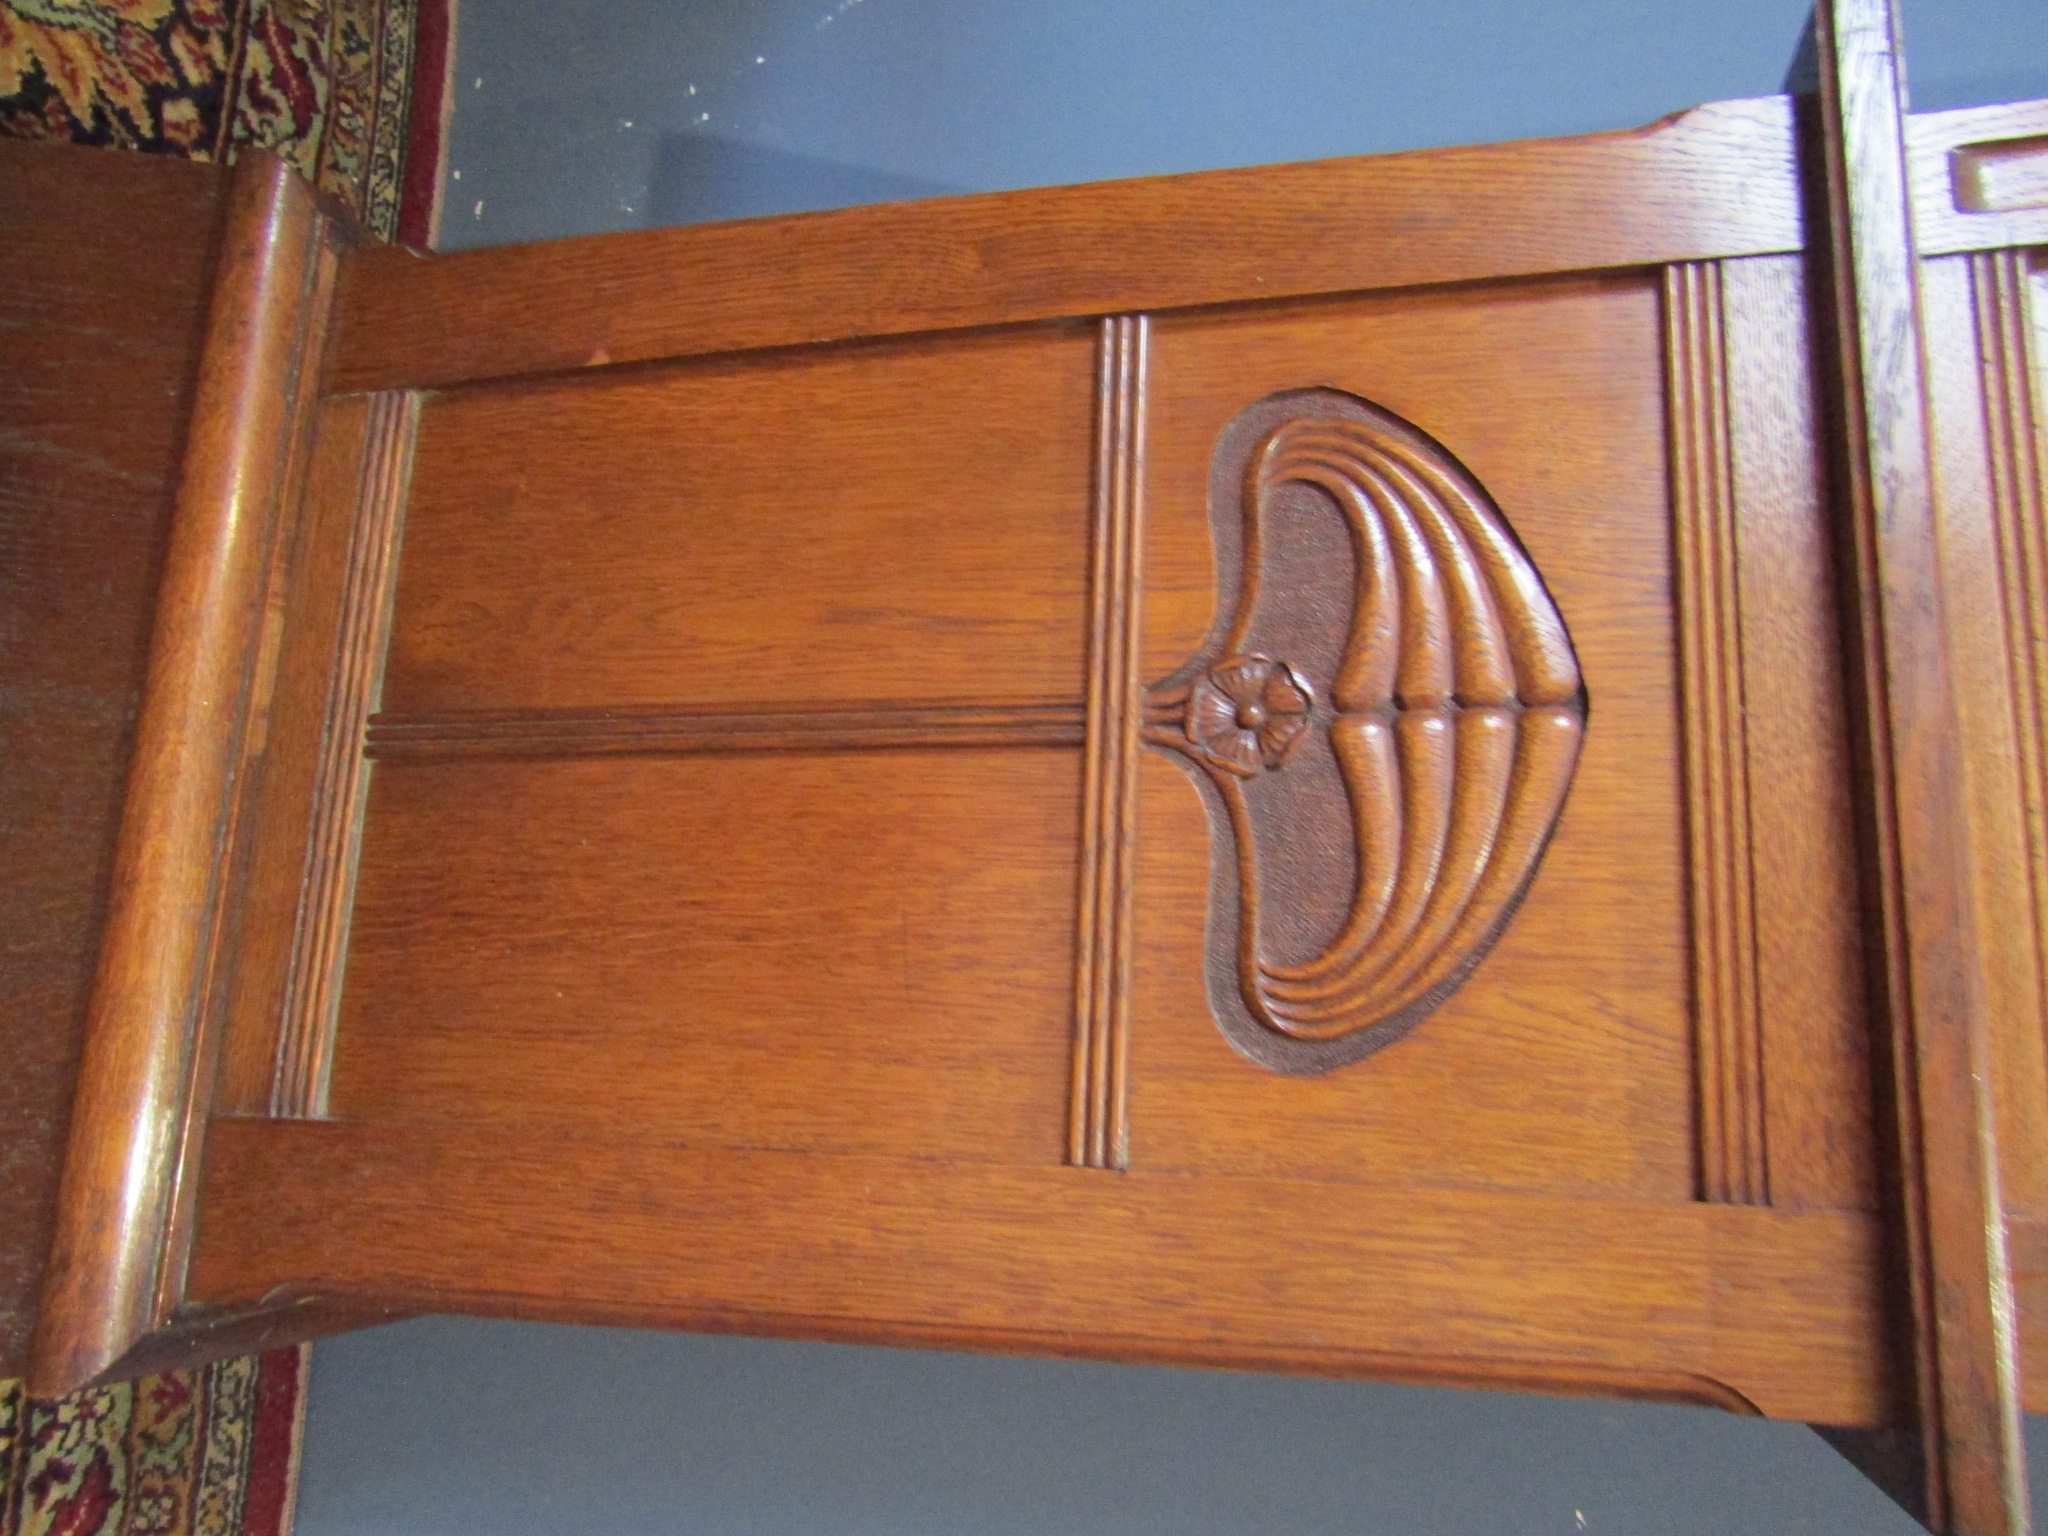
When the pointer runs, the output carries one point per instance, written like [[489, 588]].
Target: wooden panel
[[97, 361], [895, 523], [1716, 181], [1985, 314], [1808, 944], [1568, 1051], [1980, 177], [1775, 1307], [787, 951]]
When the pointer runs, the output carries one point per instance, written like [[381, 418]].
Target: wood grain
[[1716, 181], [1567, 1054], [672, 732], [281, 823], [1775, 1307], [1975, 177], [1733, 1159], [355, 672], [854, 951], [874, 524], [1097, 1132], [1975, 1474], [1982, 326], [1437, 668], [99, 358], [1812, 994], [145, 1038]]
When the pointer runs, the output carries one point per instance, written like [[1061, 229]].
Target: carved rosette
[[1384, 723]]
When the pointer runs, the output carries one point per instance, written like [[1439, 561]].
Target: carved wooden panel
[[1409, 640]]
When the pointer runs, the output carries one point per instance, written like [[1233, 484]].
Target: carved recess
[[1384, 724]]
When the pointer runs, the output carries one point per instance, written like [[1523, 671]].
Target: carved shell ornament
[[1384, 725]]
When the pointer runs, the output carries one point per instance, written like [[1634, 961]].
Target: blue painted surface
[[576, 116], [450, 1426]]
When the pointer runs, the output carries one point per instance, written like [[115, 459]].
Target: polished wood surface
[[113, 1268], [1931, 984], [1390, 797], [1716, 181], [85, 505]]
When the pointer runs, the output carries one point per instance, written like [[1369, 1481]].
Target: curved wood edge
[[1547, 1377], [1719, 180], [1929, 984], [135, 1124]]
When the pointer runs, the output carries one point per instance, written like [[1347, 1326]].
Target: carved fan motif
[[1389, 648]]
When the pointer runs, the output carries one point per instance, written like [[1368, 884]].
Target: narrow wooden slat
[[1728, 1030], [672, 732], [1098, 1135], [1961, 1294], [171, 886], [1717, 181]]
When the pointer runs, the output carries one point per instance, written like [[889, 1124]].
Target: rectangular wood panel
[[1568, 1051], [902, 523], [740, 949]]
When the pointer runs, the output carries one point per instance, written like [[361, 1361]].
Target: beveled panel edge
[[1728, 1042], [1098, 1133], [125, 1199], [1718, 180]]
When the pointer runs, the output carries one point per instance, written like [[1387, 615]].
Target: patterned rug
[[211, 1452], [352, 92]]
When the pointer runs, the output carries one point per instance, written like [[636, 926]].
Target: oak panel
[[1776, 1307], [865, 950], [1716, 181], [904, 523], [1567, 1053]]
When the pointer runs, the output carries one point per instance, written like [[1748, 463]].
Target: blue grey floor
[[576, 116], [521, 1429]]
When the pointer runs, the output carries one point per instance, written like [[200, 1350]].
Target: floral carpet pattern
[[344, 89], [207, 1452]]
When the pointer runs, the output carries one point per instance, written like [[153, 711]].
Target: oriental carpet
[[206, 1452], [351, 92]]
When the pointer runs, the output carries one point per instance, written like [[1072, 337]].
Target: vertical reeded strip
[[1097, 1135], [326, 895], [1727, 1028], [2019, 518]]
